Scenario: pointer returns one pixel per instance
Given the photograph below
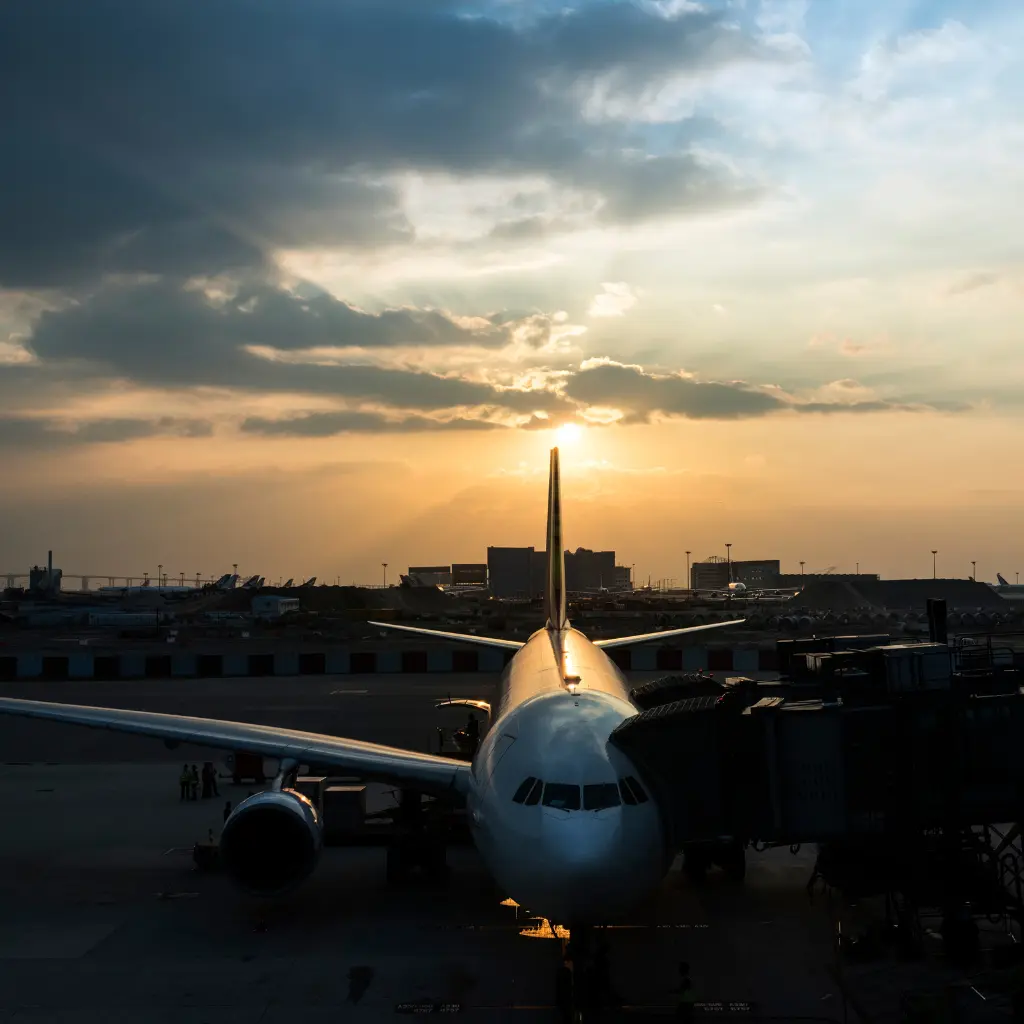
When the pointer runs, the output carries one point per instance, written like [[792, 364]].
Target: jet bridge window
[[600, 795], [562, 795], [632, 792]]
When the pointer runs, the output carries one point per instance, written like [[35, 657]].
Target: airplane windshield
[[562, 795], [632, 792], [523, 790], [600, 795]]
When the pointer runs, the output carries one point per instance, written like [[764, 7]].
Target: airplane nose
[[585, 871], [581, 843]]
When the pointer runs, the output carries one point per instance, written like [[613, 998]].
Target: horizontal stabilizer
[[665, 634], [466, 638]]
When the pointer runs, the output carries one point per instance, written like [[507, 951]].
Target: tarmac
[[105, 919]]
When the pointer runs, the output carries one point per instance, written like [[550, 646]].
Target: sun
[[568, 434]]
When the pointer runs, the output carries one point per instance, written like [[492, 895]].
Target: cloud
[[33, 432], [972, 282], [639, 395], [328, 424], [614, 299], [162, 335], [182, 138]]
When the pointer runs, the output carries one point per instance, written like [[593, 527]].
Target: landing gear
[[584, 987], [732, 859], [416, 851], [696, 861]]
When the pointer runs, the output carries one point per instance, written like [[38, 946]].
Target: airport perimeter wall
[[344, 661]]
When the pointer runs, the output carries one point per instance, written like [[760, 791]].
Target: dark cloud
[[162, 335], [30, 432], [328, 424], [184, 137], [638, 394]]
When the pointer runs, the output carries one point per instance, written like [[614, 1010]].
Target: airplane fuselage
[[597, 857]]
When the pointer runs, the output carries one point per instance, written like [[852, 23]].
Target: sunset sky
[[310, 285]]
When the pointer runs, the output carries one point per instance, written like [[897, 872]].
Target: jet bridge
[[898, 760]]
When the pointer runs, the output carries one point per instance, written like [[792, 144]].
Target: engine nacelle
[[271, 842]]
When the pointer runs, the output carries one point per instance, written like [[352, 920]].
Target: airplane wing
[[665, 634], [372, 761], [469, 638]]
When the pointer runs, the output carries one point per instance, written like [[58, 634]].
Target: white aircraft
[[561, 817]]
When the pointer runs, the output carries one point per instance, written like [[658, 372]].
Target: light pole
[[728, 560], [801, 568], [182, 575], [934, 553], [857, 573], [688, 583], [632, 576], [159, 575], [974, 570], [385, 564]]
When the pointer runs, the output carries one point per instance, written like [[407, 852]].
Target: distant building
[[800, 579], [716, 573], [510, 571], [465, 574], [589, 570], [623, 578], [539, 574], [430, 575]]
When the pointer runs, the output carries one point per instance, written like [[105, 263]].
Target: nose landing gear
[[584, 987]]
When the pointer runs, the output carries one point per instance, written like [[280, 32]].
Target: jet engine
[[271, 842]]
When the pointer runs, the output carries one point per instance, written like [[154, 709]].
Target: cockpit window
[[562, 795], [534, 797], [523, 790], [600, 795], [632, 791]]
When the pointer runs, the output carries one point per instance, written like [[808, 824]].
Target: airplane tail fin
[[554, 595], [1002, 582]]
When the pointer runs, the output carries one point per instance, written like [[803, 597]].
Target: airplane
[[287, 583], [1010, 591], [224, 583], [564, 821], [311, 582]]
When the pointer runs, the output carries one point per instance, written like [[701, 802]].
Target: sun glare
[[568, 434]]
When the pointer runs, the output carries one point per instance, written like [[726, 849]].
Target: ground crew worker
[[472, 734], [184, 780], [205, 795], [193, 783], [227, 810], [213, 779], [685, 995]]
